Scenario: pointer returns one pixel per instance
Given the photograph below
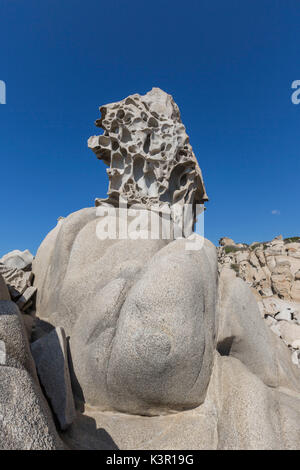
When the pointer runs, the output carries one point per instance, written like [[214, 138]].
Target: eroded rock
[[150, 159]]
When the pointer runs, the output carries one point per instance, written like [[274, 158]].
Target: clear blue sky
[[228, 64]]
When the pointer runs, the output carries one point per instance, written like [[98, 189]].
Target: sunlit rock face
[[165, 351], [150, 159]]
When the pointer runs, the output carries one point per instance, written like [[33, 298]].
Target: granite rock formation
[[147, 150], [272, 271], [167, 349], [164, 357], [166, 353]]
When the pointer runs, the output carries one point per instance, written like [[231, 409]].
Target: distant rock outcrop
[[272, 270]]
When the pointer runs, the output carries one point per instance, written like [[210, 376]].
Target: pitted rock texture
[[150, 159]]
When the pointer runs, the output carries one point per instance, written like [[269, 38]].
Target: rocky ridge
[[272, 271]]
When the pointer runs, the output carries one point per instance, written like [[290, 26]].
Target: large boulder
[[239, 412], [160, 334], [140, 315], [153, 333], [25, 418]]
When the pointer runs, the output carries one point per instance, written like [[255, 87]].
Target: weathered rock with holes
[[150, 159]]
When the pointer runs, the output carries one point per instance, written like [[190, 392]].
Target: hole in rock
[[147, 144], [224, 346], [120, 114]]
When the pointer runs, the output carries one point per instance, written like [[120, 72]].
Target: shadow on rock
[[84, 435]]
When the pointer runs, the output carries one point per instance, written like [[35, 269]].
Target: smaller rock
[[50, 355], [281, 281], [23, 301], [284, 315], [225, 241], [16, 280], [18, 259], [297, 276], [242, 256]]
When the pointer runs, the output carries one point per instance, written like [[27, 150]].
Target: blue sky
[[229, 66]]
